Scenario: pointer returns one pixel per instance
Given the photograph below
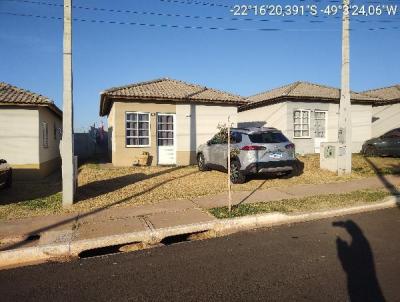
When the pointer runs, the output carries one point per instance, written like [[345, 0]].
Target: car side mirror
[[208, 143]]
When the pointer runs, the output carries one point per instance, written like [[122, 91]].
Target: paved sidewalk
[[39, 231]]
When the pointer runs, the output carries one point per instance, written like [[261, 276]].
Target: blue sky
[[244, 62]]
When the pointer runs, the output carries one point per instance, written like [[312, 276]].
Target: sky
[[243, 61]]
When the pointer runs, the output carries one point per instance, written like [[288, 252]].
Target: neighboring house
[[30, 132], [164, 117], [308, 114], [385, 113]]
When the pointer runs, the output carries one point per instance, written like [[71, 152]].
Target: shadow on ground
[[267, 176], [357, 261], [97, 188], [32, 189], [98, 210], [388, 185]]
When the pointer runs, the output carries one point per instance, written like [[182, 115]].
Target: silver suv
[[253, 150]]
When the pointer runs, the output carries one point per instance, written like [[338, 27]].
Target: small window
[[268, 138], [301, 122], [45, 135], [137, 129]]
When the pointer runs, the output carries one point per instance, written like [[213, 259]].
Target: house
[[386, 112], [30, 128], [308, 114], [166, 118]]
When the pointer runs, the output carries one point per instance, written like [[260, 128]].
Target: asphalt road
[[358, 261]]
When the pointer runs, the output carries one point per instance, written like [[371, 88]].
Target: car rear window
[[268, 138]]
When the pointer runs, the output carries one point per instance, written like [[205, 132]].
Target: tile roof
[[12, 95], [388, 94], [167, 90], [304, 91]]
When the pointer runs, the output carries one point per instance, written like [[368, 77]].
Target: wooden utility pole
[[344, 135], [229, 166], [67, 143]]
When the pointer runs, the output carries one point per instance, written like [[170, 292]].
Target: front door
[[166, 139], [320, 126]]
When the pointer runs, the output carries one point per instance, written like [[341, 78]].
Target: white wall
[[19, 136], [361, 118], [196, 124], [280, 116], [274, 115], [385, 118]]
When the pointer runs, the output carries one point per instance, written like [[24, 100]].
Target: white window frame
[[302, 124], [45, 135], [149, 136]]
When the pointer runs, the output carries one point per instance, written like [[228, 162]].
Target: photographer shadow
[[358, 262]]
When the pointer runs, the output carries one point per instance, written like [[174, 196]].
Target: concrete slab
[[142, 210], [36, 225], [54, 237], [108, 228], [164, 220]]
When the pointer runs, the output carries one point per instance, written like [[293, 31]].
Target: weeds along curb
[[215, 228]]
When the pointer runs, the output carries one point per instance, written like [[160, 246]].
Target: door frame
[[319, 139], [174, 137]]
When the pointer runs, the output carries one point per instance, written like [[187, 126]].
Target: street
[[352, 258]]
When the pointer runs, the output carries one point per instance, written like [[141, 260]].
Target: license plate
[[275, 155]]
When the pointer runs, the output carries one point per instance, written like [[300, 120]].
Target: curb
[[219, 227]]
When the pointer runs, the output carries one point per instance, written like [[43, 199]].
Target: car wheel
[[201, 163], [370, 151], [237, 176], [9, 180]]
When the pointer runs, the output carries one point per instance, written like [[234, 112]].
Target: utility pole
[[344, 135], [67, 143], [229, 165]]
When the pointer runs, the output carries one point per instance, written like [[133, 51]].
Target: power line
[[155, 25], [197, 17]]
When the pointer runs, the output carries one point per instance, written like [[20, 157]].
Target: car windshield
[[268, 138]]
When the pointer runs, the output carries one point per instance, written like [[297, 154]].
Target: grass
[[301, 205], [34, 207], [101, 185]]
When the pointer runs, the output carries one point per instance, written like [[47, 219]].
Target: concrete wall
[[274, 115], [196, 125], [19, 136], [385, 118], [54, 123]]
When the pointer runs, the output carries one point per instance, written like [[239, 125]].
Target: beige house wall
[[50, 157], [196, 124], [19, 136], [123, 155], [21, 141], [385, 118]]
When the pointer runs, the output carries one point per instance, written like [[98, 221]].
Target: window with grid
[[320, 124], [165, 130], [45, 135], [137, 129], [301, 123]]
